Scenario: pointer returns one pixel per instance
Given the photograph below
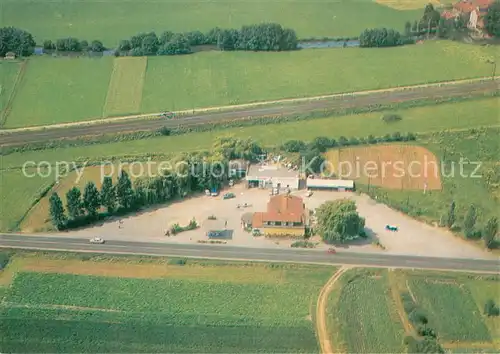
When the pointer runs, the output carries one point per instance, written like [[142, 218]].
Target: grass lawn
[[8, 75], [216, 78], [60, 90], [208, 311], [113, 20], [362, 313], [17, 195]]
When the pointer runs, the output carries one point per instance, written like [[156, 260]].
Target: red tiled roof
[[448, 15], [467, 6], [283, 208]]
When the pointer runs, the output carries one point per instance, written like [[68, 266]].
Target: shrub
[[303, 244], [212, 217], [4, 259], [419, 317], [425, 331], [391, 118], [180, 261], [294, 146], [491, 309]]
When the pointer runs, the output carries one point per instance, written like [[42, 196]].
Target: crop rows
[[451, 310], [364, 317]]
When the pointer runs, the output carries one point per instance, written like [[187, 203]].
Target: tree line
[[71, 44], [195, 174], [260, 37], [468, 225], [17, 41], [383, 37]]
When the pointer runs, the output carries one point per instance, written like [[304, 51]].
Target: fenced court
[[125, 87]]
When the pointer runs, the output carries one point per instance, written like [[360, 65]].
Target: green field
[[113, 20], [451, 310], [9, 72], [60, 90], [17, 195], [78, 91], [125, 87], [208, 313]]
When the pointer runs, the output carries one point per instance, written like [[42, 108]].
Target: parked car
[[97, 240], [229, 196], [391, 228]]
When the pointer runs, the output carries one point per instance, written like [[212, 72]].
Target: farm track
[[22, 137], [326, 345]]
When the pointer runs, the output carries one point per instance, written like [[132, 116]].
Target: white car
[[97, 240]]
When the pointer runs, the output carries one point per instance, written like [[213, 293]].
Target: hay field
[[9, 73], [402, 167], [113, 20], [125, 87]]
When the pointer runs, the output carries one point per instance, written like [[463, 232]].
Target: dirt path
[[321, 327], [399, 303]]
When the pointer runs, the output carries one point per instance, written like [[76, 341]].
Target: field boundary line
[[459, 344], [157, 115], [399, 304], [326, 346], [10, 100]]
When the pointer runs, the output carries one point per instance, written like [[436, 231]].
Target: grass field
[[18, 193], [212, 309], [9, 72], [452, 116], [409, 4], [60, 90], [112, 20], [78, 91], [363, 315], [389, 166], [125, 87]]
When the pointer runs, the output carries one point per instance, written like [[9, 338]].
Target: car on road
[[97, 240], [229, 196], [332, 251]]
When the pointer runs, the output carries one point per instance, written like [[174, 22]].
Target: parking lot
[[412, 238]]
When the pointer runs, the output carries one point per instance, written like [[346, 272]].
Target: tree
[[74, 202], [68, 45], [492, 19], [408, 28], [414, 28], [339, 221], [16, 40], [380, 37], [91, 200], [108, 195], [124, 45], [97, 46], [178, 44], [322, 143], [57, 211], [294, 146], [48, 45], [490, 231], [312, 160], [450, 220], [470, 221], [84, 45], [149, 44], [124, 191]]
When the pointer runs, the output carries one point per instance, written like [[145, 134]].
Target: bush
[[380, 37], [212, 217], [491, 309], [391, 118], [417, 316], [181, 261], [4, 259], [294, 146], [425, 331], [303, 244]]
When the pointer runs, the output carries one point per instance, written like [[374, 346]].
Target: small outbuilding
[[217, 229], [10, 55], [340, 185]]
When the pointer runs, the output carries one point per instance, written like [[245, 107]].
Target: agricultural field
[[452, 116], [112, 20], [362, 318], [18, 194], [78, 92], [9, 72], [410, 4], [230, 308], [125, 87], [57, 90], [389, 166], [451, 309]]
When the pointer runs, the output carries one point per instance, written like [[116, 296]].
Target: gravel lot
[[413, 237]]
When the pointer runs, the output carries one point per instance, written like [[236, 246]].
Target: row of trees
[[261, 37], [191, 174], [382, 37], [71, 44], [488, 232], [17, 41]]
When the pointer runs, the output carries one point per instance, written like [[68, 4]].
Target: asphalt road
[[465, 89], [245, 253]]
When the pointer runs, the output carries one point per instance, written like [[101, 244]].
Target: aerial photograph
[[249, 176]]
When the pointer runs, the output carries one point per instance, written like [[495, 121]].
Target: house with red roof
[[472, 10]]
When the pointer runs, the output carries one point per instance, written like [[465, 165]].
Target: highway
[[354, 101], [61, 243]]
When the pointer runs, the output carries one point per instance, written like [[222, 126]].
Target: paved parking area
[[413, 237]]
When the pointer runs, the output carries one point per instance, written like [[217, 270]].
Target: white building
[[272, 176], [330, 184]]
